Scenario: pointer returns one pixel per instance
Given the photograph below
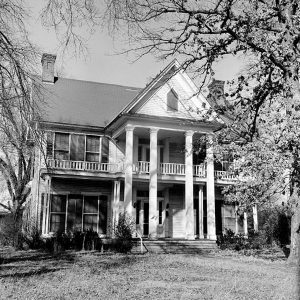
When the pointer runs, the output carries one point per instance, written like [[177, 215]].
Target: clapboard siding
[[188, 105], [81, 186], [177, 224], [176, 154]]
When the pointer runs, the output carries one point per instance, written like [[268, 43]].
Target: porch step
[[175, 246]]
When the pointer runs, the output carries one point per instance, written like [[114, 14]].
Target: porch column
[[245, 224], [201, 231], [189, 193], [117, 186], [153, 218], [236, 219], [210, 190], [128, 170], [255, 218], [48, 199]]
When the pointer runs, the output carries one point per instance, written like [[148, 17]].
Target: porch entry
[[142, 216]]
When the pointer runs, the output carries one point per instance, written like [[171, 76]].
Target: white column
[[201, 231], [189, 192], [117, 186], [255, 218], [236, 219], [245, 224], [153, 217], [135, 151], [210, 190], [47, 215], [128, 170]]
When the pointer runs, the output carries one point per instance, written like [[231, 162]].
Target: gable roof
[[84, 103], [150, 88]]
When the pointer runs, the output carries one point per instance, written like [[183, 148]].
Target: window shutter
[[49, 146]]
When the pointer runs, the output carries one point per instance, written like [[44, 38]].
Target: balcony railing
[[225, 175], [143, 167], [82, 165], [172, 169]]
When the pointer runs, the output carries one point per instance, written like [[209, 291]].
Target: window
[[105, 150], [172, 101], [92, 148], [78, 212], [90, 213], [74, 215], [58, 213], [77, 147], [61, 146]]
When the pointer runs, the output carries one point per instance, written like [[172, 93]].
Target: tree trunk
[[17, 240], [294, 257]]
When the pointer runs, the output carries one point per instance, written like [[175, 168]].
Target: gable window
[[92, 148], [61, 146], [172, 101]]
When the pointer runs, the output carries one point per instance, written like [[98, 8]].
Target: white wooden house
[[113, 148]]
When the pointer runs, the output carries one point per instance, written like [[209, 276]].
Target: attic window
[[172, 101]]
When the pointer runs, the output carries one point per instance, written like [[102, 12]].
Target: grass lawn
[[38, 275]]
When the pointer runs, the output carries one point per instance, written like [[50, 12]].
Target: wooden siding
[[187, 107], [176, 153], [80, 186]]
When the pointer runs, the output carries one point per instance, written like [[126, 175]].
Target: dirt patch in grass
[[76, 275]]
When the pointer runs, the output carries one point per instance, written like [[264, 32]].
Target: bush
[[276, 223], [32, 239], [123, 232], [7, 231], [229, 240]]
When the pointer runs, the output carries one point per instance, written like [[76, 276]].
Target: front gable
[[173, 98]]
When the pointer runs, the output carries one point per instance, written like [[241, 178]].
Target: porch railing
[[225, 175], [143, 167], [82, 165], [172, 169], [199, 170]]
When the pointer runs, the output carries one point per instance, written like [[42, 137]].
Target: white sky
[[101, 64]]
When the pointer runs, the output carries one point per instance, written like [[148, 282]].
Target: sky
[[101, 64]]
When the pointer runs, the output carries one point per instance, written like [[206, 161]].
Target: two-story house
[[112, 148]]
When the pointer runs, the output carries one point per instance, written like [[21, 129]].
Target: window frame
[[172, 106], [66, 194]]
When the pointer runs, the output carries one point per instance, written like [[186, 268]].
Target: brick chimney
[[48, 61], [216, 92]]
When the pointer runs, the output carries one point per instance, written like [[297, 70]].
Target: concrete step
[[174, 246]]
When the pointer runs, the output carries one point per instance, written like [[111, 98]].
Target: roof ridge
[[97, 82]]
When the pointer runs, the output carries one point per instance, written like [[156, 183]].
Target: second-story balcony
[[142, 167], [171, 169], [83, 166]]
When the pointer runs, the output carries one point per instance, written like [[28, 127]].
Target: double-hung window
[[92, 151], [61, 146], [58, 213]]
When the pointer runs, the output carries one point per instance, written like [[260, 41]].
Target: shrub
[[230, 240], [32, 239], [7, 230], [276, 224], [123, 231]]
